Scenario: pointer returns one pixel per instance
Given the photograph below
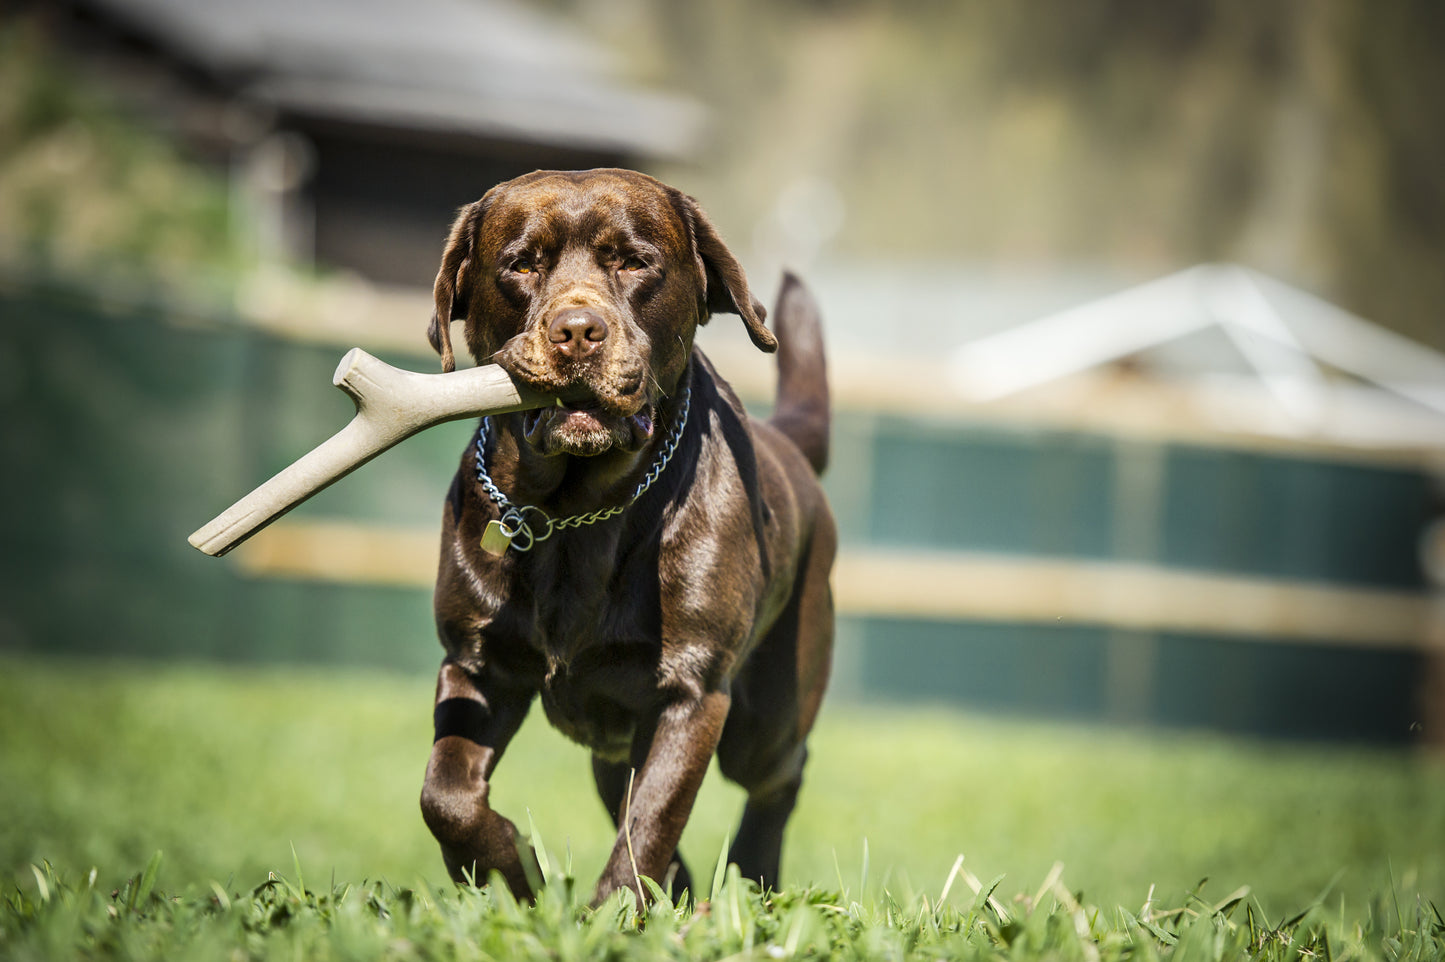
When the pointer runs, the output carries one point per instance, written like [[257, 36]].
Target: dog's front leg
[[681, 745], [475, 719]]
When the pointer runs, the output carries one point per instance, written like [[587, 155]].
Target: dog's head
[[588, 285]]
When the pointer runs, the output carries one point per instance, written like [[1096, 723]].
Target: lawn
[[230, 771]]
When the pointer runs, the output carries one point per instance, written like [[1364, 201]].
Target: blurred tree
[[83, 186], [1299, 137]]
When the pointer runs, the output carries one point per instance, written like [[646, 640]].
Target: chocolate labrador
[[644, 555]]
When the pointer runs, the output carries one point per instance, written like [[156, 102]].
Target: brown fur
[[699, 620]]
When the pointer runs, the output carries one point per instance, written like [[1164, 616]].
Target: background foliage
[[1300, 138], [86, 186]]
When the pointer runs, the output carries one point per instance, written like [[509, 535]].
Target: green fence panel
[[124, 430], [1287, 690], [1247, 686], [988, 489], [1051, 670], [1295, 517]]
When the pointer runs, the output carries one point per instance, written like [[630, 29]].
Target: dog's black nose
[[577, 332]]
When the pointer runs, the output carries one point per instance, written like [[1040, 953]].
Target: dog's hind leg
[[475, 720], [612, 779], [762, 749], [758, 848], [775, 702]]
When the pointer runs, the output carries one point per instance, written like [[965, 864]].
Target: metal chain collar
[[513, 530]]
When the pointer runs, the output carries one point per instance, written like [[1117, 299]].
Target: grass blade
[[296, 865], [957, 864], [863, 875], [659, 896], [40, 882], [720, 870], [538, 847], [142, 891]]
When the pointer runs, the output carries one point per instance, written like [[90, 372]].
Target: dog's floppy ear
[[452, 291], [726, 284]]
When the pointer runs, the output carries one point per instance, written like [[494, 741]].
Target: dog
[[646, 557]]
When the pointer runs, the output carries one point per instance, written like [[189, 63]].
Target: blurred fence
[[124, 430], [1055, 572], [1143, 581]]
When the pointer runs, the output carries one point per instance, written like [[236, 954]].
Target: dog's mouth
[[587, 429], [601, 406]]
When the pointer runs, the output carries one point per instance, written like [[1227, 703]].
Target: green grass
[[284, 918], [313, 775]]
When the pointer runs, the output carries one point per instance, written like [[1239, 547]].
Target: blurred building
[[353, 131]]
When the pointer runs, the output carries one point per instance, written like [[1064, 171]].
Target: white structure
[[1256, 355]]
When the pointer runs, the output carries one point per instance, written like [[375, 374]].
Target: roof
[[1325, 373], [474, 67]]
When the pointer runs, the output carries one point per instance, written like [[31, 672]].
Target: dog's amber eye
[[522, 267], [633, 264]]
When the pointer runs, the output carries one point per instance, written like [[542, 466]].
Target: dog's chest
[[597, 699], [599, 633], [582, 594]]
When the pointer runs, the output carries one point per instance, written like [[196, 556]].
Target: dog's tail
[[802, 411]]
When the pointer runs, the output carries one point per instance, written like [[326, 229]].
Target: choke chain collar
[[514, 529]]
